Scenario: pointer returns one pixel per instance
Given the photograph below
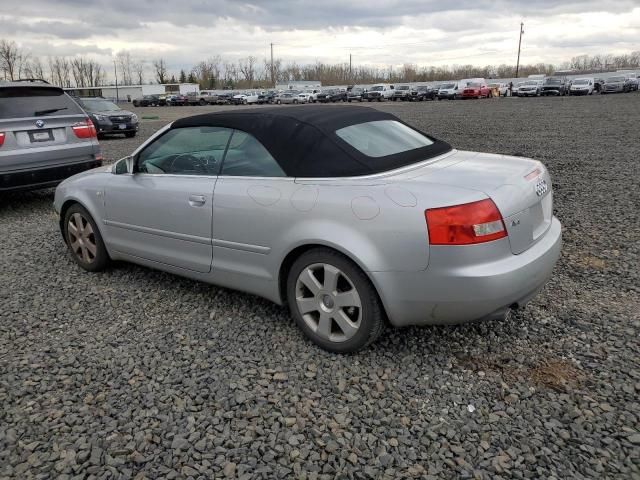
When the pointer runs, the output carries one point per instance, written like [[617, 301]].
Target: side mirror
[[122, 166]]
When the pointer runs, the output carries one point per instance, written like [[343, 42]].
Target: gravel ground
[[133, 373]]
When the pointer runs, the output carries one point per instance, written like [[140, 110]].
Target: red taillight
[[1, 138], [466, 224], [85, 129]]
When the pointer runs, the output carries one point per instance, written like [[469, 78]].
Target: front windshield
[[530, 83], [581, 81], [376, 89], [616, 79], [98, 105], [403, 87], [447, 85], [552, 81], [473, 85]]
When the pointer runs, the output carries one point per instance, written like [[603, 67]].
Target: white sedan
[[245, 98]]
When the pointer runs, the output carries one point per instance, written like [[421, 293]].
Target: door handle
[[197, 200]]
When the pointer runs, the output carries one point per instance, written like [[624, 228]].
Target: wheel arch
[[68, 203], [295, 253]]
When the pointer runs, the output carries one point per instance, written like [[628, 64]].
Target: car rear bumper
[[44, 177], [445, 293]]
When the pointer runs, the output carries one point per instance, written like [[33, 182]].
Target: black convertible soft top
[[303, 140]]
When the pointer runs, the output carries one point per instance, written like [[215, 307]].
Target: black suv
[[108, 117], [423, 92], [148, 101], [555, 86]]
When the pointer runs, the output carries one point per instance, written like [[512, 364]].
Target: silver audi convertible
[[347, 214]]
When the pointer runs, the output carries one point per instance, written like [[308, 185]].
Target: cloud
[[374, 32]]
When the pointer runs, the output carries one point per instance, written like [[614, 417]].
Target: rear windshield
[[20, 102], [382, 138], [616, 79], [581, 82], [553, 81]]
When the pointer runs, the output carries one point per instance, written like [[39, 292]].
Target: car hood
[[121, 113]]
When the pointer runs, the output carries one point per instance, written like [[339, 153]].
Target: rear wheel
[[84, 240], [202, 102], [333, 301]]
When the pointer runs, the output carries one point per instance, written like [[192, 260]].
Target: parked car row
[[470, 88], [560, 86]]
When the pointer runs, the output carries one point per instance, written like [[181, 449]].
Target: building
[[299, 85], [126, 93]]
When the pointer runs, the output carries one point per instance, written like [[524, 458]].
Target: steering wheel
[[187, 162]]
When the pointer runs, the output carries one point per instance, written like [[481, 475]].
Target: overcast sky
[[375, 32]]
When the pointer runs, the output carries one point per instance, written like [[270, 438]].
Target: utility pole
[[115, 69], [273, 80], [350, 75], [519, 45]]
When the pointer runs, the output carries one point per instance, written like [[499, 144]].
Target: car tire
[[202, 102], [83, 239], [278, 102], [339, 329], [130, 134], [295, 101]]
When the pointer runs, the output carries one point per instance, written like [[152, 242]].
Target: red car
[[476, 90]]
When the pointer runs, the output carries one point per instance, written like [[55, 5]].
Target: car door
[[163, 211], [251, 207]]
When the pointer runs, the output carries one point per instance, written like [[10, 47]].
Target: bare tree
[[11, 59], [247, 67], [125, 67], [60, 71], [138, 68], [34, 69], [78, 69], [160, 67]]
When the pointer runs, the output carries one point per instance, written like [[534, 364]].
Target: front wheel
[[84, 240], [333, 302]]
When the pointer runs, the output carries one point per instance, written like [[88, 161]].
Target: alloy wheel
[[82, 239], [328, 302]]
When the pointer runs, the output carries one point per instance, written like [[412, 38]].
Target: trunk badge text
[[541, 188]]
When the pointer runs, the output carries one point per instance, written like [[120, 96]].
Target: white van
[[448, 91], [379, 92]]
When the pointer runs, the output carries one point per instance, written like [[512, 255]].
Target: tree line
[[218, 72]]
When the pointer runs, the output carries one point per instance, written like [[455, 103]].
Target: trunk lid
[[520, 188]]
